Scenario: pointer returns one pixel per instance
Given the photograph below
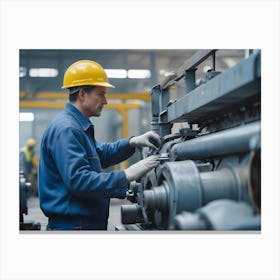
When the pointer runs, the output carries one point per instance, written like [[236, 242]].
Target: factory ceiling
[[158, 62]]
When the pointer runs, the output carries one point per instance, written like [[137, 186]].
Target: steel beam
[[190, 64], [236, 85], [145, 96]]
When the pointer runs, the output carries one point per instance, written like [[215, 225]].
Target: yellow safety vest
[[28, 154]]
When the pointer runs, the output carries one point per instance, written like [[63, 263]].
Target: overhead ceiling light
[[166, 73], [26, 117], [116, 73], [43, 72], [139, 73]]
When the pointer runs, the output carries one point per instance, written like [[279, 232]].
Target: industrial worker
[[74, 192], [28, 163]]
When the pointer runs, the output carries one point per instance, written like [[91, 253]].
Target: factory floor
[[36, 215]]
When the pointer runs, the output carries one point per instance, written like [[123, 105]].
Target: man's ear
[[82, 94]]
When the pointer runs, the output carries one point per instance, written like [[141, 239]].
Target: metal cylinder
[[227, 214], [182, 179], [131, 214], [230, 141], [219, 184], [188, 189], [156, 198]]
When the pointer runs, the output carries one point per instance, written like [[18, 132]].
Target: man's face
[[94, 101]]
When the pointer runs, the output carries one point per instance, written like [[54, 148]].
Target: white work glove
[[137, 170], [149, 139]]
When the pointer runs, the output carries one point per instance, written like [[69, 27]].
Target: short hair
[[73, 96], [74, 92]]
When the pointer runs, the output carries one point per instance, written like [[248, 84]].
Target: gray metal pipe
[[230, 141], [222, 214], [219, 184]]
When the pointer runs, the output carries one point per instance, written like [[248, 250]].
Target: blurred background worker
[[28, 163], [74, 192]]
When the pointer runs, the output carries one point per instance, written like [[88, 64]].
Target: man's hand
[[137, 170], [149, 139]]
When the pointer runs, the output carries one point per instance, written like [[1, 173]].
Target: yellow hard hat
[[85, 73], [31, 142]]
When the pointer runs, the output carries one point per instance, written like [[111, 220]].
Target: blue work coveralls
[[73, 192]]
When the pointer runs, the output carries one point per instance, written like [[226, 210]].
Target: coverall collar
[[84, 122]]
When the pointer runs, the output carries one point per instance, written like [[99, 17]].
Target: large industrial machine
[[209, 176]]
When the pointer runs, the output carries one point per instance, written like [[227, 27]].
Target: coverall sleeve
[[114, 153], [78, 170]]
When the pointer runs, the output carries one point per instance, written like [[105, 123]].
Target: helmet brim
[[101, 84]]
